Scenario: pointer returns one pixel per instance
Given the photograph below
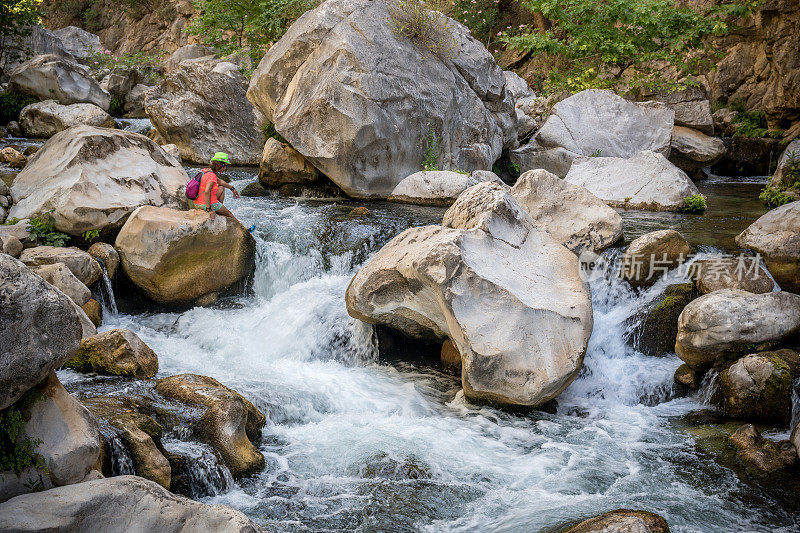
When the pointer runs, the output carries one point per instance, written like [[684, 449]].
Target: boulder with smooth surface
[[78, 42], [106, 256], [758, 387], [45, 119], [743, 272], [81, 264], [509, 297], [436, 187], [176, 257], [13, 158], [652, 255], [280, 164], [598, 122], [229, 422], [111, 505], [60, 277], [776, 236], [693, 150], [362, 104], [645, 181], [52, 77], [94, 178], [570, 214], [201, 107], [40, 329], [622, 521], [118, 352], [727, 323], [692, 109]]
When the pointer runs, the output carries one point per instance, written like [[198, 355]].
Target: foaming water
[[355, 444]]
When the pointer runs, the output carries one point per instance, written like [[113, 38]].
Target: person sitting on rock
[[211, 197]]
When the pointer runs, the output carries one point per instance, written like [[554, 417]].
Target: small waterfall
[[708, 388], [121, 462], [203, 473], [106, 294]]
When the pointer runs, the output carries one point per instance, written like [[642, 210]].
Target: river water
[[354, 442]]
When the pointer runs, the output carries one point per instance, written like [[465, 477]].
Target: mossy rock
[[654, 331], [622, 520], [119, 352], [255, 189]]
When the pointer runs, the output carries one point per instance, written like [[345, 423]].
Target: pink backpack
[[193, 187]]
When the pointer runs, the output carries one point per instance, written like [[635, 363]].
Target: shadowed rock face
[[776, 237], [94, 178], [113, 504], [41, 329], [359, 103], [508, 296]]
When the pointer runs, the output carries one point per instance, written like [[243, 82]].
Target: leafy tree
[[17, 18], [608, 43], [249, 25]]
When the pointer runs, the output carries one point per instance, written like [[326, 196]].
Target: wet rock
[[280, 164], [176, 257], [118, 352], [745, 156], [229, 422], [107, 255], [451, 358], [59, 276], [201, 108], [730, 322], [570, 214], [645, 181], [80, 263], [758, 387], [622, 521], [134, 101], [776, 237], [113, 504], [254, 189], [762, 456], [13, 157], [693, 150], [489, 260], [686, 377], [795, 438], [49, 76], [360, 211], [742, 272], [436, 188], [94, 311], [654, 331], [40, 329], [598, 122], [45, 119], [67, 434], [139, 433], [372, 137], [652, 255], [787, 173], [94, 178]]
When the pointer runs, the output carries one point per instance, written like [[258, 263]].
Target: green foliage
[[103, 62], [516, 168], [791, 169], [754, 125], [248, 26], [117, 107], [774, 196], [431, 160], [90, 235], [622, 43], [11, 103], [480, 16], [271, 133], [17, 17], [596, 153], [695, 203], [18, 454], [41, 228], [10, 221], [412, 20]]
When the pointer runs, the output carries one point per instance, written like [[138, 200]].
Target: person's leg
[[221, 195], [224, 211]]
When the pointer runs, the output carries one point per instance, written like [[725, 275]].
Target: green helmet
[[221, 157]]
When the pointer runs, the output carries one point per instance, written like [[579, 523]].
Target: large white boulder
[[645, 181], [509, 297], [727, 323], [571, 214], [40, 329], [45, 119], [201, 107], [52, 77], [436, 187], [82, 264], [776, 236], [179, 256], [361, 104], [94, 178], [598, 122], [78, 42], [650, 256], [114, 504]]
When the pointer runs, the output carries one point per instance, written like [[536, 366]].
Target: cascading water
[[106, 294], [121, 462], [204, 474], [353, 443]]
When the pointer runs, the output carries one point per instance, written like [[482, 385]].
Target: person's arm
[[227, 185], [207, 192]]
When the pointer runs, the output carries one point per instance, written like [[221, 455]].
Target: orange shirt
[[208, 176]]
